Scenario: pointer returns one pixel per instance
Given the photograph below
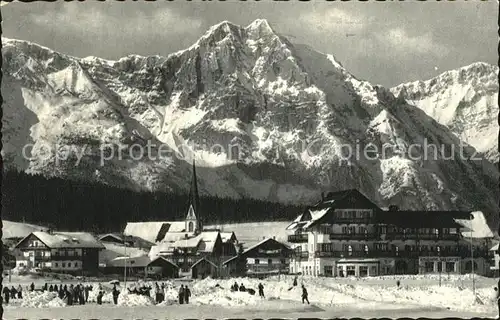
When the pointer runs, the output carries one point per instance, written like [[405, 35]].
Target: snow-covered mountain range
[[464, 100], [290, 111]]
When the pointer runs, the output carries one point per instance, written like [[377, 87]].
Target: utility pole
[[125, 263], [472, 263]]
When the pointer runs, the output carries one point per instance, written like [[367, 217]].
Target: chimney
[[274, 237]]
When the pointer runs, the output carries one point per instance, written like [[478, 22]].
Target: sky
[[384, 43]]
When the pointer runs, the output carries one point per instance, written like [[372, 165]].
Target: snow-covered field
[[11, 229], [370, 297]]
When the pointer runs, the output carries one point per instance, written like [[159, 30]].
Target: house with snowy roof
[[69, 252], [346, 234], [266, 257]]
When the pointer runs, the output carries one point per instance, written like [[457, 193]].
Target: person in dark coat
[[87, 291], [19, 292], [56, 289], [70, 294], [6, 295], [61, 292], [235, 287], [181, 294], [51, 288], [398, 283], [242, 288], [187, 294], [32, 287], [99, 297], [13, 293], [304, 294], [116, 293], [45, 287], [261, 290], [295, 281]]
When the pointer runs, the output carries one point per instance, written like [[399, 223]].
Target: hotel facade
[[346, 234]]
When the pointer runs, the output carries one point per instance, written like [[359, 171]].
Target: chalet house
[[69, 252], [269, 256], [158, 268], [346, 234]]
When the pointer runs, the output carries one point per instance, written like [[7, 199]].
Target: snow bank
[[41, 300]]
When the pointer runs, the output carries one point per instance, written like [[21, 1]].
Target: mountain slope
[[465, 100], [264, 118]]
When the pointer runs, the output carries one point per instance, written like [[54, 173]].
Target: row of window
[[436, 231], [270, 261], [449, 267], [353, 214], [64, 264], [329, 247]]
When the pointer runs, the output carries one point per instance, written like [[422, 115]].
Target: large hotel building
[[346, 234]]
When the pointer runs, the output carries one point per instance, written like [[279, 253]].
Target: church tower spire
[[194, 203]]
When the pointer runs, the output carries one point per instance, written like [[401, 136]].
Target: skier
[[398, 283], [45, 287], [242, 288], [295, 281], [56, 289], [116, 293], [19, 292], [158, 293], [6, 295], [261, 290], [304, 294], [187, 294], [181, 294], [32, 287], [235, 287]]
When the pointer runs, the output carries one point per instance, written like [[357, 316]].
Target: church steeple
[[194, 202]]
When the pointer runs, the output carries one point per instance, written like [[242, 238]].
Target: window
[[363, 271], [76, 264], [64, 265], [450, 266], [190, 226], [429, 266], [69, 264], [283, 261], [269, 261], [373, 271], [440, 266], [328, 271], [257, 261], [352, 230], [57, 264], [345, 230], [351, 270], [366, 248], [362, 230], [446, 231]]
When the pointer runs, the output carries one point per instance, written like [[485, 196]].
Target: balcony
[[300, 254], [415, 236], [297, 238], [398, 254], [354, 236], [355, 220]]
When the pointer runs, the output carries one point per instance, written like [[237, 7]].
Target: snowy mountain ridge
[[465, 100], [289, 110]]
